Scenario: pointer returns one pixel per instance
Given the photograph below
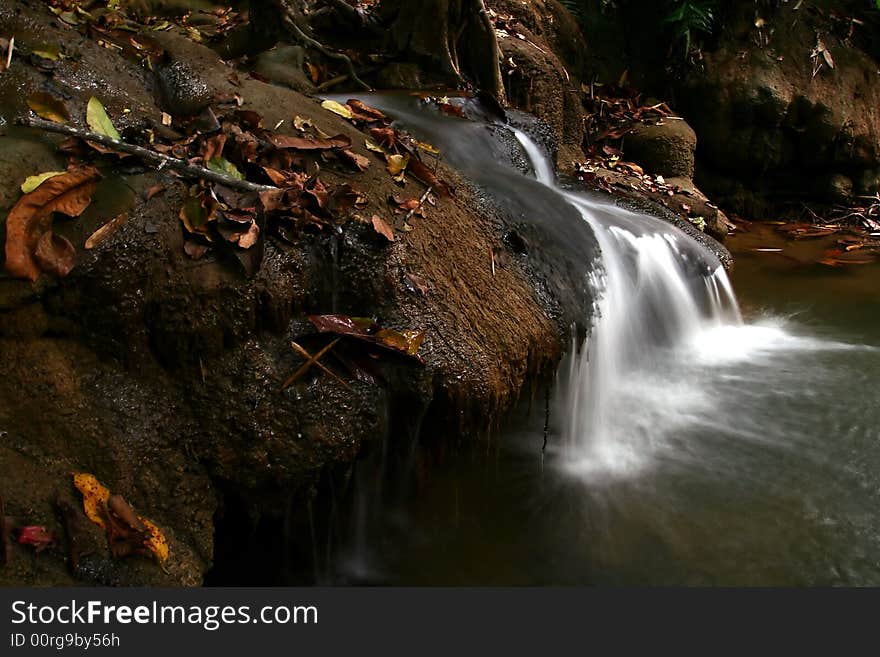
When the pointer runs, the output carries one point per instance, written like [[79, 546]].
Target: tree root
[[290, 22]]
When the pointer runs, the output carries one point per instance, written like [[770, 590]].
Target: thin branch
[[305, 368], [305, 354], [421, 202], [152, 157]]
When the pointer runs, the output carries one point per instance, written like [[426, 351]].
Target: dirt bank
[[160, 374]]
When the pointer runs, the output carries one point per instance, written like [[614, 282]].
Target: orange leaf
[[31, 218]]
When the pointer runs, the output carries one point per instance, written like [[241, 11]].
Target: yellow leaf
[[96, 117], [397, 163], [433, 150], [50, 52], [94, 497], [373, 146], [156, 543], [336, 108], [32, 182]]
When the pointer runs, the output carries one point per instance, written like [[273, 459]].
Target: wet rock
[[284, 65], [717, 223], [190, 77], [666, 149], [399, 75]]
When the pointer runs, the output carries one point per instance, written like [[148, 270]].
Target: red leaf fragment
[[37, 537]]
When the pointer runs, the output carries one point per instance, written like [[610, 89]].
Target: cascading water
[[703, 449], [657, 291]]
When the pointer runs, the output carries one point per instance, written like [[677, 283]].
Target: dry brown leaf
[[31, 218], [309, 143], [358, 161], [382, 227]]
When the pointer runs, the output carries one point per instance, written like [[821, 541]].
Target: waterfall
[[657, 292]]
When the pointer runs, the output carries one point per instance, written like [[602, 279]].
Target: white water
[[665, 314]]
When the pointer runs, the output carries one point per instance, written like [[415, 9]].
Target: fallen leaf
[[31, 218], [50, 52], [48, 107], [352, 158], [127, 532], [249, 238], [225, 167], [420, 170], [381, 226], [428, 148], [337, 108], [396, 164], [194, 216], [37, 537], [32, 182], [96, 117], [385, 137], [104, 232], [213, 147], [55, 254], [309, 143], [95, 496], [365, 110], [406, 343], [373, 146]]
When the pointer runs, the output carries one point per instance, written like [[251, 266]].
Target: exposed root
[[290, 22]]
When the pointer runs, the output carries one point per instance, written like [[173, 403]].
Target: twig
[[308, 356], [158, 159], [304, 38], [311, 361], [9, 53], [421, 201]]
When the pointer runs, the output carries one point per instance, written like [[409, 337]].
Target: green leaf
[[51, 52], [224, 166], [96, 117], [32, 182]]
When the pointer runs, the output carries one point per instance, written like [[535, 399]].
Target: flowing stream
[[687, 445]]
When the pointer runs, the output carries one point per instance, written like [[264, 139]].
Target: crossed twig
[[312, 360]]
